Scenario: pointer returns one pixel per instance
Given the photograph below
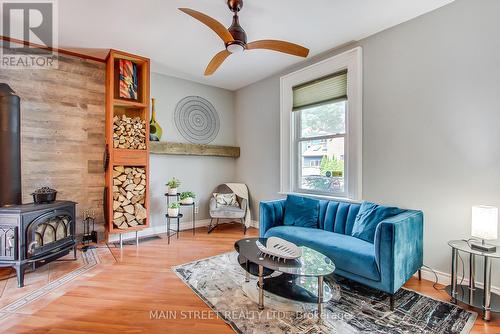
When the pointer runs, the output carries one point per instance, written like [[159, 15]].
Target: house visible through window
[[320, 111]]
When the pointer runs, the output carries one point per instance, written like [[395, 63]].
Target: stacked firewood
[[129, 191], [129, 133]]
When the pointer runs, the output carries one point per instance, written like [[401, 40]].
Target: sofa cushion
[[348, 253], [369, 215], [301, 211]]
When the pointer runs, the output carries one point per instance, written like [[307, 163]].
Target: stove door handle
[[31, 247], [11, 242]]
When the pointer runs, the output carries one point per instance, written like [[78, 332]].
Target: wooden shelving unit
[[132, 160]]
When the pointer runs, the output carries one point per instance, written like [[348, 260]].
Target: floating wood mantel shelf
[[170, 148]]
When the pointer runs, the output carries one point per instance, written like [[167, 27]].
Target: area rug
[[220, 282]]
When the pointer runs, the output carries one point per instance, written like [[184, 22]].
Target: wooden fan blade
[[216, 61], [280, 46], [213, 24]]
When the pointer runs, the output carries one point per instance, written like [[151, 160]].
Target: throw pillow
[[226, 199], [301, 211], [368, 217]]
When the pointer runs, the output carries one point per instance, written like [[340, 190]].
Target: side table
[[470, 294]]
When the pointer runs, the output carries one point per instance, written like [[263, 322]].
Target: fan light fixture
[[235, 48]]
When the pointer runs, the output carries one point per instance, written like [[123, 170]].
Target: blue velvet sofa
[[386, 264]]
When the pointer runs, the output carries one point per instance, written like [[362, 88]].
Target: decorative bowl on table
[[279, 248]]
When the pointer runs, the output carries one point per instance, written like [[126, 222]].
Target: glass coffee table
[[300, 279]]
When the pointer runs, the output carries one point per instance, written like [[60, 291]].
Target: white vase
[[172, 191], [187, 201], [173, 212]]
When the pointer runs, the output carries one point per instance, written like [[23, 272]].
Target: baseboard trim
[[445, 279], [155, 230]]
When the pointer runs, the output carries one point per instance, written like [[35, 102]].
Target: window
[[321, 146], [321, 128]]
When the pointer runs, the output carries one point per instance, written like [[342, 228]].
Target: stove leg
[[20, 275], [121, 241], [137, 238], [74, 253]]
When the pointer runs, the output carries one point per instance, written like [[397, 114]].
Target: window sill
[[324, 197]]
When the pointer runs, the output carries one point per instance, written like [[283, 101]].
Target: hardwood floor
[[118, 295]]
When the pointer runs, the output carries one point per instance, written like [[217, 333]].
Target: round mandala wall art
[[197, 120]]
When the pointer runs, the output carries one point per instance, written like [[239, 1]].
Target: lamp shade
[[484, 222]]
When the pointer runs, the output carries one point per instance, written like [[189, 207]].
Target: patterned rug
[[220, 282]]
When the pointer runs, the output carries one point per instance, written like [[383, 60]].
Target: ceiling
[[179, 45]]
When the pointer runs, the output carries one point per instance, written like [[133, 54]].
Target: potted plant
[[173, 209], [187, 197], [173, 185]]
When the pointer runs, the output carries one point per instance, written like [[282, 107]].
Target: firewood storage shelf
[[136, 153]]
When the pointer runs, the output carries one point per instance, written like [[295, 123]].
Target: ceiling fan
[[235, 38]]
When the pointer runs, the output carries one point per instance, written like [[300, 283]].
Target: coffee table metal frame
[[301, 267]]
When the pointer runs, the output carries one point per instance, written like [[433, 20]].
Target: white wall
[[431, 113], [198, 174]]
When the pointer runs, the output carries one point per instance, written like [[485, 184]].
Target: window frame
[[298, 139], [289, 122]]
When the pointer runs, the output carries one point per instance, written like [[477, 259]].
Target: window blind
[[323, 90]]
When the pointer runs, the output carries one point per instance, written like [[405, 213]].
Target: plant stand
[[168, 196], [175, 232]]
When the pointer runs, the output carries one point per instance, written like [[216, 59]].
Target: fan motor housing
[[239, 35]]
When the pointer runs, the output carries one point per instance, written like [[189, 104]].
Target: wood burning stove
[[34, 234], [30, 234]]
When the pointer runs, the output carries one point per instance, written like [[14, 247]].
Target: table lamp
[[484, 227]]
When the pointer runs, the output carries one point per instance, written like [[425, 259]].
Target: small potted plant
[[187, 197], [173, 185], [173, 209]]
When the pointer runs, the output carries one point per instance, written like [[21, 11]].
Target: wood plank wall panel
[[63, 131]]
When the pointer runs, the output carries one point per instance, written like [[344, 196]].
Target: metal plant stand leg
[[454, 264], [472, 277], [168, 230], [487, 289], [178, 224], [261, 287], [320, 296], [194, 217]]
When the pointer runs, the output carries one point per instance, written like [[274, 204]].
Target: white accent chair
[[233, 213]]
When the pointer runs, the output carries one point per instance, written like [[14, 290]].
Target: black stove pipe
[[10, 147]]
